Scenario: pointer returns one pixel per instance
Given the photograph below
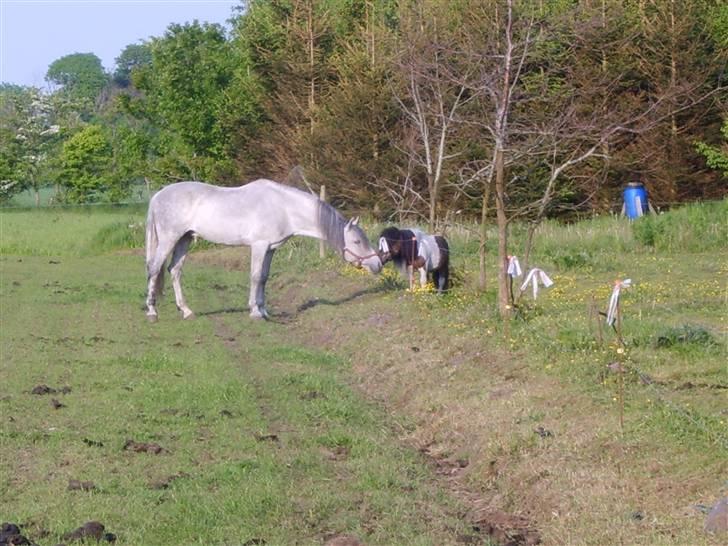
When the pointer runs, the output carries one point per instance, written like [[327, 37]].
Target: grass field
[[362, 409]]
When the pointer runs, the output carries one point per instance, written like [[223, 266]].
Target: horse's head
[[357, 250]]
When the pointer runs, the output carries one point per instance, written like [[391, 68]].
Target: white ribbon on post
[[614, 299], [535, 276], [514, 268]]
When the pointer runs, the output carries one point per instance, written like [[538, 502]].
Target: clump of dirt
[[45, 389], [10, 535], [55, 404], [143, 447], [90, 530], [266, 437], [93, 443]]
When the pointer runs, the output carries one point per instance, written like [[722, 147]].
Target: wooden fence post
[[322, 247]]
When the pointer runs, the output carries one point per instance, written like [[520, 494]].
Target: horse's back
[[258, 210]]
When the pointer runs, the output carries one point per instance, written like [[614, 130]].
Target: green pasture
[[343, 414]]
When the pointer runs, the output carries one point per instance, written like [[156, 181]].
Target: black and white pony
[[262, 215], [412, 249]]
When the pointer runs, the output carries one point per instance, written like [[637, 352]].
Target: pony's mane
[[331, 223], [407, 248]]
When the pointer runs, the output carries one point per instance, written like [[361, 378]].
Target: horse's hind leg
[[155, 277], [175, 269]]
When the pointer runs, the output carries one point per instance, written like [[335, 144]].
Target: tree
[[436, 85], [184, 95], [86, 165], [29, 134], [132, 57], [80, 75]]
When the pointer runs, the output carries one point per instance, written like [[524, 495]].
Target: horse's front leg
[[423, 276], [261, 256], [411, 277]]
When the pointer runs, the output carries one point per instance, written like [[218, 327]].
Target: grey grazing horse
[[262, 215]]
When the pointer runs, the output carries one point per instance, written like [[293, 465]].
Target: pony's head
[[357, 250], [390, 244]]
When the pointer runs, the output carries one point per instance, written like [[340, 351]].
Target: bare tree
[[434, 87]]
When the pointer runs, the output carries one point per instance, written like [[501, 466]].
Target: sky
[[34, 33]]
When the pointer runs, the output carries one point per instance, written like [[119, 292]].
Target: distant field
[[362, 409]]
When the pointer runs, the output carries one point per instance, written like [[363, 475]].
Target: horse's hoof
[[152, 318], [258, 313], [189, 316]]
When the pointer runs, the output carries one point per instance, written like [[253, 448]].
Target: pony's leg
[[175, 269], [155, 277], [423, 276], [443, 277], [411, 277], [260, 259]]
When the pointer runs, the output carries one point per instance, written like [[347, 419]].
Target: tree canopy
[[406, 108]]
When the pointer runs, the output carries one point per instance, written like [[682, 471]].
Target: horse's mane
[[332, 225]]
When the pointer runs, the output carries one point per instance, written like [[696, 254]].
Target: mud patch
[[43, 389], [143, 447], [78, 485], [165, 483], [505, 529]]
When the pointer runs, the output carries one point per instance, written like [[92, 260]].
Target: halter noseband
[[359, 259]]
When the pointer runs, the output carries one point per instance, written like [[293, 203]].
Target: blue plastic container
[[635, 200]]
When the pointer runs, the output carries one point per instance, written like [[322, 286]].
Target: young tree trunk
[[482, 253], [503, 290]]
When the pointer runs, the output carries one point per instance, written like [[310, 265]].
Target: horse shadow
[[286, 317]]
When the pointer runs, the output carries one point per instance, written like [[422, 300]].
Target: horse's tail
[[152, 243], [443, 268]]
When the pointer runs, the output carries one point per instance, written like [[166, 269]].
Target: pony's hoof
[[152, 318], [189, 316]]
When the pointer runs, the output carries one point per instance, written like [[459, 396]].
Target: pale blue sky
[[34, 33]]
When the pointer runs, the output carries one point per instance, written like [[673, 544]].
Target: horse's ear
[[355, 221]]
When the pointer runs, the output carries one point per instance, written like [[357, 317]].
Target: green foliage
[[133, 56], [716, 156], [80, 74], [185, 98], [85, 165]]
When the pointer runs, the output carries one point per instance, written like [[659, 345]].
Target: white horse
[[262, 215]]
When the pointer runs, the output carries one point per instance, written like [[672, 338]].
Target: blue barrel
[[635, 200]]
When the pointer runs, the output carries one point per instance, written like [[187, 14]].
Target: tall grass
[[694, 227], [70, 230]]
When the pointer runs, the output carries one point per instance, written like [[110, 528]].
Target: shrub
[[687, 334]]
